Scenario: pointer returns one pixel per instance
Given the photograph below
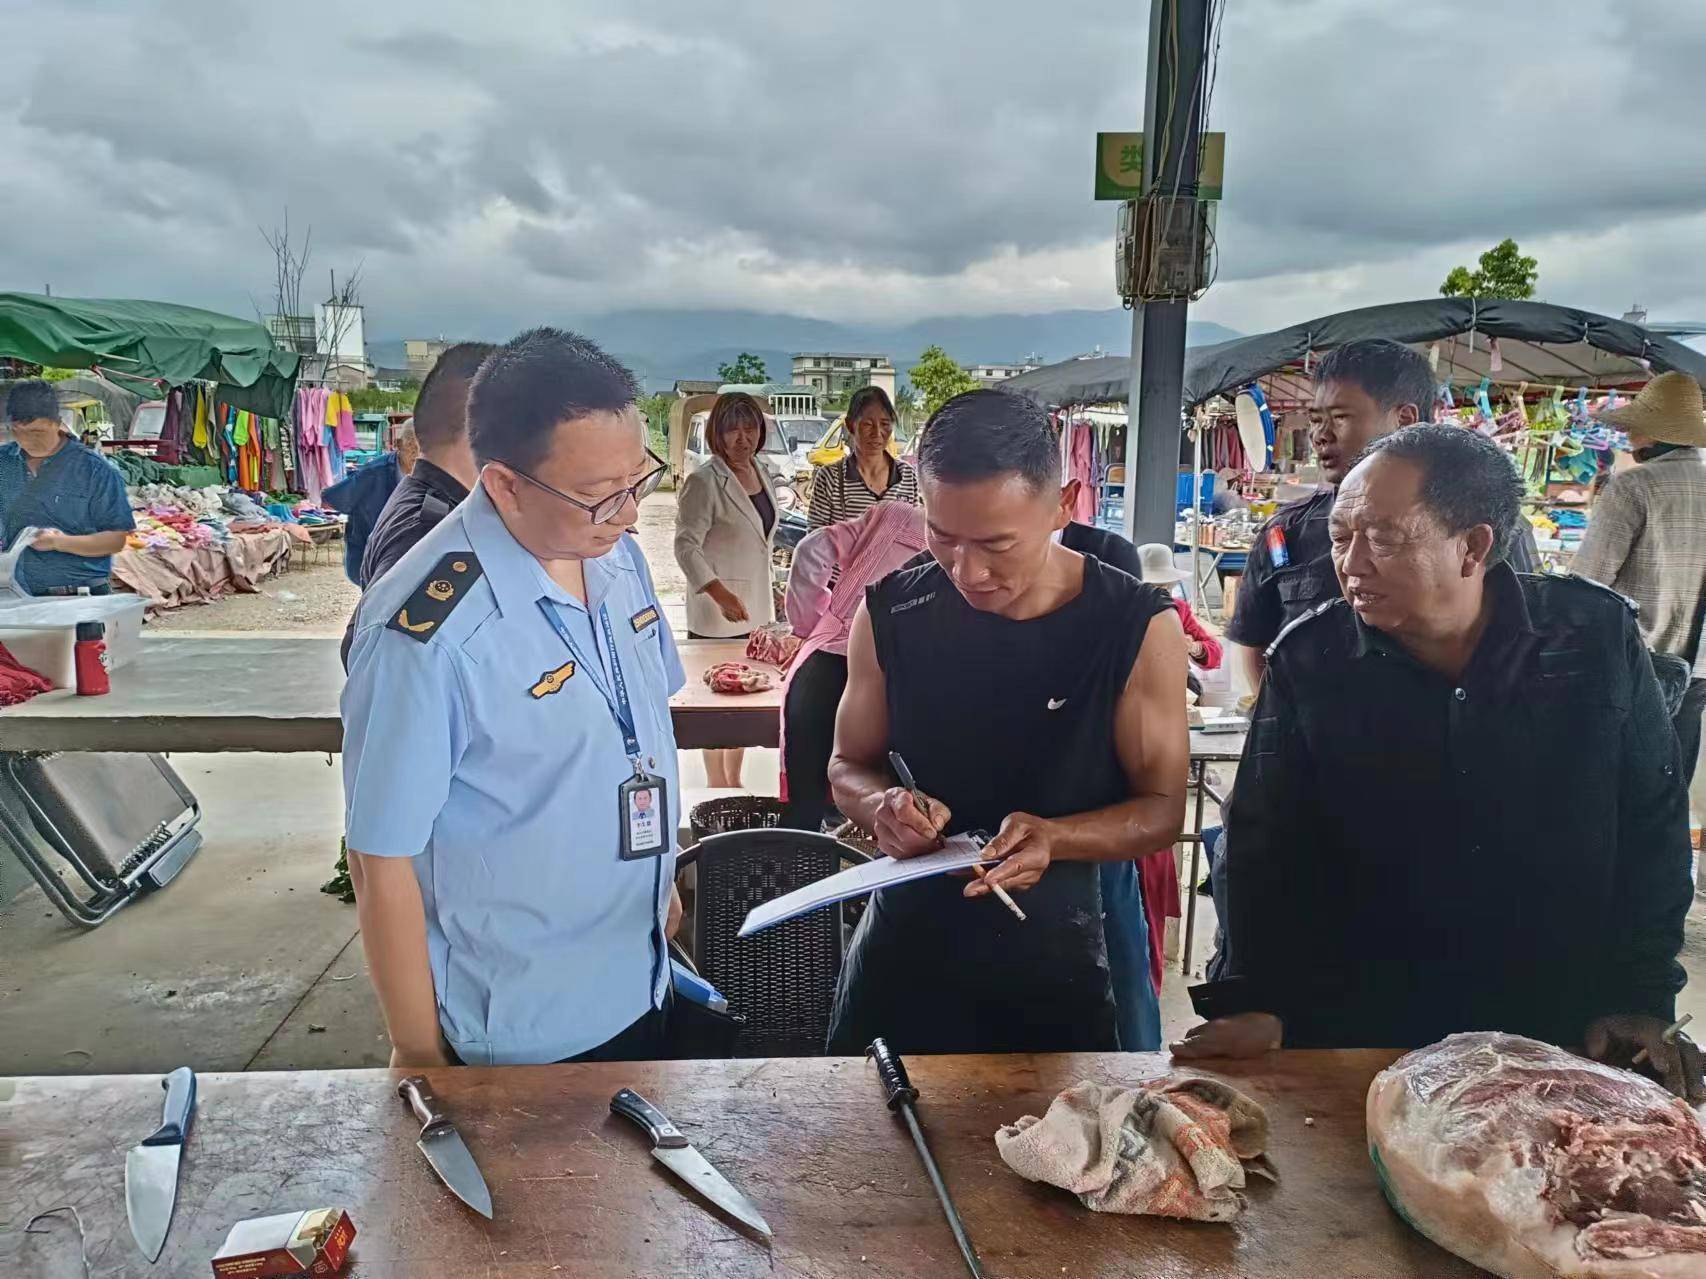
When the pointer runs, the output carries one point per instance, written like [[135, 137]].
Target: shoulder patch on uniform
[[1590, 584], [644, 618], [437, 596], [1303, 619], [553, 681]]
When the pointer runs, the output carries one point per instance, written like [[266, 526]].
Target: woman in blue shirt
[[70, 494]]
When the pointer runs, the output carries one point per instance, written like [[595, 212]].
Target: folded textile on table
[[1171, 1147], [18, 683]]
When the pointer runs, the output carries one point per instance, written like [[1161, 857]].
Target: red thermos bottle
[[90, 659]]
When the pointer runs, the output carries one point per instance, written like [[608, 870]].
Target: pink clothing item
[[1081, 466], [1158, 875], [346, 423], [1197, 631], [821, 605]]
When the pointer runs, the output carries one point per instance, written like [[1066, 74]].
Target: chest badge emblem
[[552, 681], [1055, 703]]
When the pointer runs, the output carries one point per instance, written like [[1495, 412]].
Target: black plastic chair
[[782, 980]]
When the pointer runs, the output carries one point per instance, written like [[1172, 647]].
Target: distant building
[[340, 339], [390, 379], [785, 400], [420, 354], [832, 373], [686, 386], [293, 332], [990, 375]]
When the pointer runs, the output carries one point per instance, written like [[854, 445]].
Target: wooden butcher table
[[229, 693], [577, 1194]]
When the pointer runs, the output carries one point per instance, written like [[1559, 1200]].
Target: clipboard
[[959, 852]]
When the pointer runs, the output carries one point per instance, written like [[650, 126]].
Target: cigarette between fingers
[[1001, 893], [1669, 1037]]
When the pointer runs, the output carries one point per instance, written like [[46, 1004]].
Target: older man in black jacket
[[1412, 848]]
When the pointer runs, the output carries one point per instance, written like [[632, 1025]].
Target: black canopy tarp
[[1539, 343], [154, 341]]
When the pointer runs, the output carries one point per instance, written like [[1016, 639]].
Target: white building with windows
[[990, 375], [832, 373]]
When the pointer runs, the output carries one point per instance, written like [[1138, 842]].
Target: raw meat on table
[[1537, 1164]]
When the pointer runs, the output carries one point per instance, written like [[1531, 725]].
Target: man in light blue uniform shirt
[[508, 694]]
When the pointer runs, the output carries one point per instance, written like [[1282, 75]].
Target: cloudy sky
[[514, 161]]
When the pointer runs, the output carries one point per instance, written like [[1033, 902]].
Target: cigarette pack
[[295, 1243]]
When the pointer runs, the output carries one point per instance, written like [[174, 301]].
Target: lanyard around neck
[[616, 695]]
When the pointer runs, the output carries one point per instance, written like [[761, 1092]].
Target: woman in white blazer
[[725, 528]]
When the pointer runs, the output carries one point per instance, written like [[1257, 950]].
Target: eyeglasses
[[606, 509]]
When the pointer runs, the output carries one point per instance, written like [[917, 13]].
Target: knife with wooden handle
[[443, 1146]]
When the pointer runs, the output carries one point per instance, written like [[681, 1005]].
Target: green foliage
[[939, 379], [59, 375], [655, 409], [1503, 273], [340, 885], [370, 399], [746, 370]]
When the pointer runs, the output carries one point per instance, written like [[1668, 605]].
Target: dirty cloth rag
[[1171, 1147]]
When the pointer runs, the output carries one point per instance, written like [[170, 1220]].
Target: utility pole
[[1172, 128]]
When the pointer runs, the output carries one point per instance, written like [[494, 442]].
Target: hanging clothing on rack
[[1081, 466], [170, 450], [345, 424]]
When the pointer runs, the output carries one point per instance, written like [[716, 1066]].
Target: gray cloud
[[885, 160]]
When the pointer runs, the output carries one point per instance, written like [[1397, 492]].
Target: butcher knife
[[676, 1153], [151, 1169], [444, 1148]]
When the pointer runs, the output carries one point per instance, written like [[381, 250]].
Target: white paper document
[[9, 588], [956, 853]]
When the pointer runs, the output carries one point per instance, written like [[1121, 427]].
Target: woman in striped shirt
[[868, 474]]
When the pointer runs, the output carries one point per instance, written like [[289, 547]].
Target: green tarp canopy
[[152, 340]]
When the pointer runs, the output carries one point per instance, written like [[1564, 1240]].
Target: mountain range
[[661, 346]]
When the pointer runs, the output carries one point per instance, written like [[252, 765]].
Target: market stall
[[1530, 375], [230, 482]]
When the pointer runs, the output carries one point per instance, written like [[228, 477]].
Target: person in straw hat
[[1647, 536]]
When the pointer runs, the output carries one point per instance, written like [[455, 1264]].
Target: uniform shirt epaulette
[[437, 596], [1303, 619], [1590, 584]]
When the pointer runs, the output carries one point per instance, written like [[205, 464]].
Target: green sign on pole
[[1119, 166]]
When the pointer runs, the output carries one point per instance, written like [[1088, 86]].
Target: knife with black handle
[[671, 1149]]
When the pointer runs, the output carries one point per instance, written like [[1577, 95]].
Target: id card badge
[[643, 817]]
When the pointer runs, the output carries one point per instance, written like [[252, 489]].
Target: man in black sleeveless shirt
[[1035, 693]]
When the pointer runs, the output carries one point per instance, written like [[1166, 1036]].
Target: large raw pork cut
[[1535, 1163]]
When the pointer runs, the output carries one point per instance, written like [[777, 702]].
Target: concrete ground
[[242, 963]]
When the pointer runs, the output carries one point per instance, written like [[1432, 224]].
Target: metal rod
[[1199, 775], [942, 1192]]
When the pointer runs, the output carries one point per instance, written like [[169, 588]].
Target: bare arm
[[92, 545], [858, 770], [393, 933], [1153, 743], [1254, 662]]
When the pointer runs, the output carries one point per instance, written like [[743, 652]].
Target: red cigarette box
[[296, 1243]]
